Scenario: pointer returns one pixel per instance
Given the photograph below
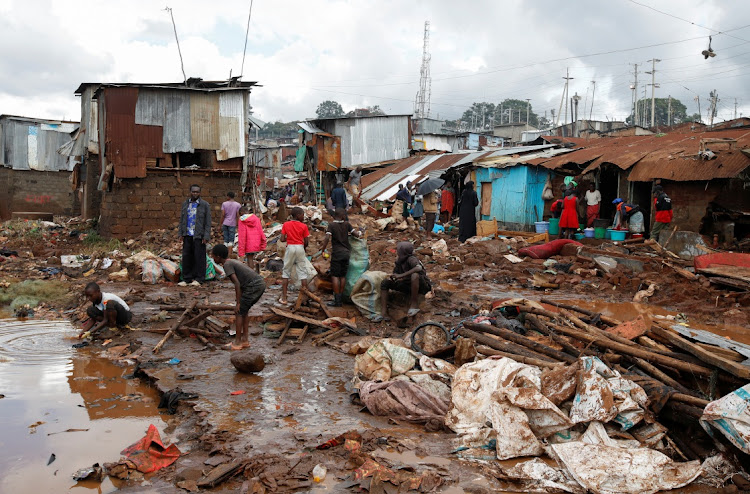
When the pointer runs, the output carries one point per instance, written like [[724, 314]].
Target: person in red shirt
[[664, 213], [296, 235]]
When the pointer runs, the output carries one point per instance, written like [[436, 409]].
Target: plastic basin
[[554, 226], [619, 235]]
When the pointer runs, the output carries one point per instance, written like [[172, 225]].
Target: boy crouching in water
[[248, 288], [107, 309]]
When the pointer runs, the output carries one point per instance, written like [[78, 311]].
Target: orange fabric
[[149, 454], [569, 218], [592, 213], [447, 201]]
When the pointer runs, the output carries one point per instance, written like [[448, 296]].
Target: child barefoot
[[248, 288]]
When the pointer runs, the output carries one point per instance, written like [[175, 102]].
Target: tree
[[517, 112], [279, 129], [480, 116], [329, 109], [368, 111], [662, 113]]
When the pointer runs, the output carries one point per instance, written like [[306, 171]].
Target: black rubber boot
[[336, 302]]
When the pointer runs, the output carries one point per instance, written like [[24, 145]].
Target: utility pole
[[714, 102], [564, 98], [643, 110], [653, 86], [669, 111], [735, 109], [635, 95], [529, 99], [591, 112], [574, 110], [698, 99]]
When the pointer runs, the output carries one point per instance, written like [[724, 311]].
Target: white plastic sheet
[[730, 415]]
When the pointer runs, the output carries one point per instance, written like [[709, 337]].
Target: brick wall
[[691, 199], [31, 190], [140, 204]]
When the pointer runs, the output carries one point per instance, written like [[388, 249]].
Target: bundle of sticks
[[198, 319], [696, 372]]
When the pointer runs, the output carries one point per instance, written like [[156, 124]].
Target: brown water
[[50, 388]]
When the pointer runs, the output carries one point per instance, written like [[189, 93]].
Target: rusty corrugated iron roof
[[670, 156]]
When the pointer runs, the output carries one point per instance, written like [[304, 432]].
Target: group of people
[[627, 216], [425, 208]]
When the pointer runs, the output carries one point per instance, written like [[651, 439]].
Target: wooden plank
[[304, 333], [734, 272], [223, 326], [314, 297], [296, 317], [708, 357], [214, 307], [522, 340], [485, 350], [203, 315], [176, 325], [728, 282]]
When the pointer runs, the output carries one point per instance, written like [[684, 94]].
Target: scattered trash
[[237, 393], [94, 473], [149, 454], [319, 473], [52, 458]]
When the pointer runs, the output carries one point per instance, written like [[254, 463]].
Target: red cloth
[[592, 213], [447, 201], [149, 454], [664, 216], [545, 251], [295, 232], [569, 218], [250, 236]]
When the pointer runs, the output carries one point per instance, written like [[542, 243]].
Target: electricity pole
[[714, 102], [698, 99], [735, 108], [653, 86], [564, 98], [669, 111], [591, 112], [528, 106], [635, 95]]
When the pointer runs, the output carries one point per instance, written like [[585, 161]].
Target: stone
[[247, 361]]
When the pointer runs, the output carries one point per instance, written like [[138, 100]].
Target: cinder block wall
[[31, 190], [137, 205]]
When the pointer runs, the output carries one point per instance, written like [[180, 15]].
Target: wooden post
[[521, 340], [177, 324]]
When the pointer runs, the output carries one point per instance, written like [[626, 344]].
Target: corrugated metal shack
[[508, 184], [708, 190], [138, 131], [34, 177], [369, 139]]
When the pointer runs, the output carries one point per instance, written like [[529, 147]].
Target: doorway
[[609, 178]]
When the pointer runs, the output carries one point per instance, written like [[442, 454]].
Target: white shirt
[[593, 198], [106, 297]]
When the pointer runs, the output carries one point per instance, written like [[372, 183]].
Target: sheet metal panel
[[48, 142], [33, 151], [149, 109], [371, 140], [177, 130], [15, 139], [204, 121], [231, 126]]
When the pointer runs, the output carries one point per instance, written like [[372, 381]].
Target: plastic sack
[[366, 293], [548, 194], [730, 414], [547, 250], [382, 361], [359, 262], [152, 271], [171, 270]]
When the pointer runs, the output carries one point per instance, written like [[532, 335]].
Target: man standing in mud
[[195, 230]]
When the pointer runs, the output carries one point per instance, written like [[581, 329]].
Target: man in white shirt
[[593, 201], [107, 309]]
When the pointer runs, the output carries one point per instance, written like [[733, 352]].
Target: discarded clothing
[[149, 454], [171, 399], [403, 400]]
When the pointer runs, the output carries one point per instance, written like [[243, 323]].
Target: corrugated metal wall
[[231, 126], [204, 121], [149, 109], [370, 140], [177, 133], [30, 145], [516, 194]]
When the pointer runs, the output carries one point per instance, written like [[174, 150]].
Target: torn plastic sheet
[[603, 395], [537, 476], [730, 415], [507, 395], [607, 466]]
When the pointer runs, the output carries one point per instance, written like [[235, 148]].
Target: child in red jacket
[[250, 238]]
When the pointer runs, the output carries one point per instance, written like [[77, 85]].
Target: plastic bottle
[[319, 472]]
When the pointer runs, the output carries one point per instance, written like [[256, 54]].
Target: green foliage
[[483, 115], [33, 291], [93, 239], [329, 109], [369, 111], [279, 129], [661, 112]]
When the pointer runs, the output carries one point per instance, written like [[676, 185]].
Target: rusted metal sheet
[[177, 132], [682, 169], [128, 144], [231, 126], [149, 109], [204, 121]]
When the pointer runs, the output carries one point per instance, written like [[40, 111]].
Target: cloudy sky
[[363, 53]]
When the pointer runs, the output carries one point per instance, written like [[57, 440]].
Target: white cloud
[[364, 53]]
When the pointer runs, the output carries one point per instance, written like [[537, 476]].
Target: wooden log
[[330, 336], [725, 353], [222, 473], [560, 340], [690, 400], [314, 297], [710, 358], [301, 299], [659, 375], [649, 343], [594, 330], [218, 323], [203, 315], [605, 319], [521, 340], [636, 351], [304, 333], [491, 352], [681, 271], [197, 331], [631, 241], [176, 325], [213, 307], [503, 346]]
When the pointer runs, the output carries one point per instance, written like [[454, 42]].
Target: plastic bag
[[152, 271], [359, 262], [548, 194]]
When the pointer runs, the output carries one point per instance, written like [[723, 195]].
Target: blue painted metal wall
[[516, 194]]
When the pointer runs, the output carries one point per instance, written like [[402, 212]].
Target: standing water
[[63, 402]]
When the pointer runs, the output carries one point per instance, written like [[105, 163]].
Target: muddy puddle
[[63, 402]]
